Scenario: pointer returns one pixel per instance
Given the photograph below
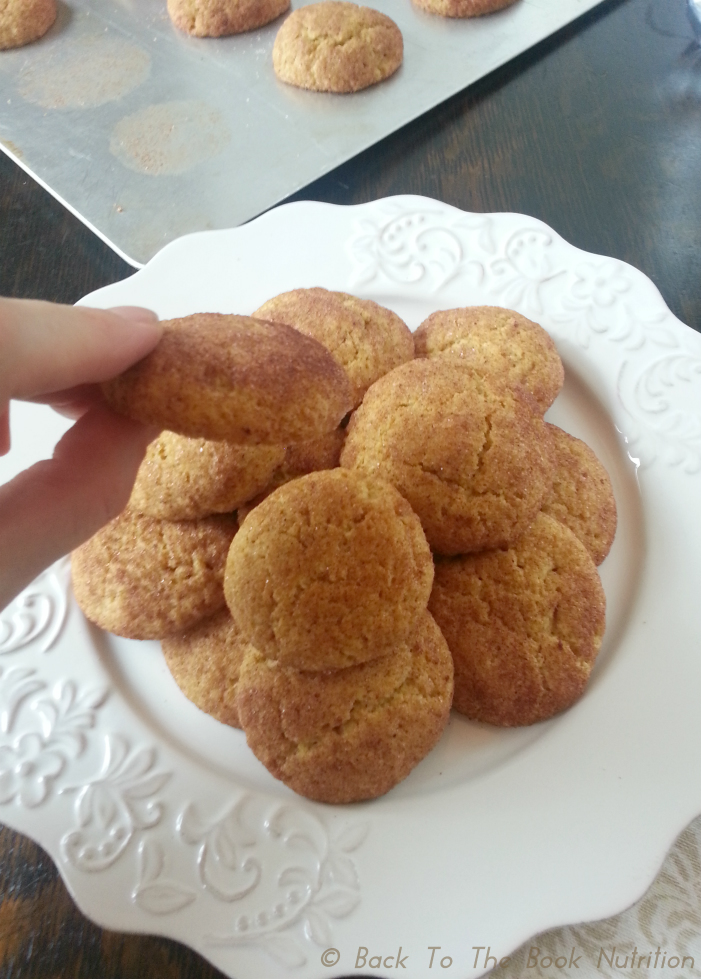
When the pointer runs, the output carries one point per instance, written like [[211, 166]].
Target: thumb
[[55, 505]]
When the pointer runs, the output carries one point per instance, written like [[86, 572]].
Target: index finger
[[47, 347]]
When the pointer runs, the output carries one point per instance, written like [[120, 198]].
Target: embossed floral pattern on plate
[[158, 831]]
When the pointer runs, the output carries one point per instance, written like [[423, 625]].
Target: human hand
[[58, 355]]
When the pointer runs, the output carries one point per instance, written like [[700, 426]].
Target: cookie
[[216, 18], [463, 8], [337, 47], [330, 570], [351, 734], [524, 625], [205, 662], [471, 456], [300, 458], [366, 339], [144, 579], [582, 496], [24, 21], [183, 479], [496, 341], [235, 379]]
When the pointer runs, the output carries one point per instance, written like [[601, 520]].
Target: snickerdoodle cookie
[[216, 18], [205, 662], [524, 625], [366, 339], [24, 21], [582, 496], [144, 578], [234, 378], [470, 454], [463, 8], [184, 479], [335, 46], [351, 734], [497, 341], [300, 458], [330, 570]]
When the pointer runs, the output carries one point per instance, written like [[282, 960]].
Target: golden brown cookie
[[24, 21], [145, 579], [205, 662], [496, 341], [330, 570], [582, 496], [217, 18], [184, 479], [366, 339], [463, 8], [335, 46], [471, 455], [301, 458], [524, 625], [346, 735], [236, 379]]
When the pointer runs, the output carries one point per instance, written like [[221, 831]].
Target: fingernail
[[136, 314]]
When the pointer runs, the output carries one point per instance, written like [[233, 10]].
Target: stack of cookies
[[344, 528], [516, 511], [236, 391], [347, 682]]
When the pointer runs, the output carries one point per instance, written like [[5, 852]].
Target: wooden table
[[597, 131]]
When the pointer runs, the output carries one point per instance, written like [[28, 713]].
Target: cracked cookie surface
[[496, 341], [471, 455], [350, 734], [205, 662], [524, 625], [330, 570], [582, 496], [144, 579], [366, 339], [217, 18], [236, 379], [335, 46], [183, 479]]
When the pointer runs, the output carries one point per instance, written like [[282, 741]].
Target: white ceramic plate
[[161, 820]]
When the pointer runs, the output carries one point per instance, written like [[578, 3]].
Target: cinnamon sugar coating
[[330, 570], [582, 496], [471, 455], [234, 378], [524, 625], [24, 21], [144, 579], [496, 341], [217, 18], [345, 735], [366, 339], [205, 662], [334, 46], [183, 479]]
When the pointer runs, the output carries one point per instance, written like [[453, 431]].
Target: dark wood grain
[[597, 131]]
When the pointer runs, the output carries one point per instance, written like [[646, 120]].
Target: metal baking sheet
[[148, 134]]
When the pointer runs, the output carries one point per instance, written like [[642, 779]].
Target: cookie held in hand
[[236, 379]]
